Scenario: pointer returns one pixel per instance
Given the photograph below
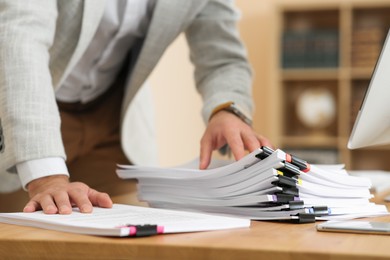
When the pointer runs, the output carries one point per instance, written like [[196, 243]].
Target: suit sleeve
[[28, 110], [222, 72]]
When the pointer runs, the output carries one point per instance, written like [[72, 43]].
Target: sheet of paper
[[101, 220]]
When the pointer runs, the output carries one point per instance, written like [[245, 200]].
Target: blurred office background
[[312, 61]]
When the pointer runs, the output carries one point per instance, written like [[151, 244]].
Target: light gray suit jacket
[[42, 40]]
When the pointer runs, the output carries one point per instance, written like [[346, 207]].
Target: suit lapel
[[92, 13], [165, 26]]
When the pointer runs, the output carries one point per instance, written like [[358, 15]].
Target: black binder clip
[[304, 218], [265, 153], [301, 164], [144, 230], [297, 204], [289, 170], [284, 181], [320, 210], [290, 191], [284, 198]]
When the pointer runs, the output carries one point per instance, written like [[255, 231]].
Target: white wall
[[177, 104], [179, 123]]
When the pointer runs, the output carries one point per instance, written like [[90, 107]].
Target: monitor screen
[[372, 125]]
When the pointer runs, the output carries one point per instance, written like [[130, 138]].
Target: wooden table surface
[[263, 240]]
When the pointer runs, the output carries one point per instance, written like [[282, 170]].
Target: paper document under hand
[[124, 220]]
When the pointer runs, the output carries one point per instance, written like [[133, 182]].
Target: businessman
[[73, 102]]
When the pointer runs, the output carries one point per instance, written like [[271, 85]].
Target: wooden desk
[[263, 240]]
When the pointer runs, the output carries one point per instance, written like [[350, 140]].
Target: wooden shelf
[[358, 26], [309, 74], [361, 73], [310, 141]]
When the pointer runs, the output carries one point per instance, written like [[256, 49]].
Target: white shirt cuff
[[35, 169]]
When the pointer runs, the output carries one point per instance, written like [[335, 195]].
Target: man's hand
[[226, 128], [55, 194]]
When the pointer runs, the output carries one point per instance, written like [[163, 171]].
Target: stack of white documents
[[264, 185]]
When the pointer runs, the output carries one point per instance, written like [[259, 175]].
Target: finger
[[251, 142], [32, 206], [206, 149], [48, 205], [79, 197], [236, 145], [63, 203], [99, 199], [264, 141]]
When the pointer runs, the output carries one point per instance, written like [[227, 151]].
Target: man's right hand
[[55, 194]]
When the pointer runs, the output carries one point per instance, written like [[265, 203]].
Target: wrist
[[37, 184], [38, 168], [231, 107]]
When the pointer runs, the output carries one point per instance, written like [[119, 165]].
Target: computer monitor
[[372, 125]]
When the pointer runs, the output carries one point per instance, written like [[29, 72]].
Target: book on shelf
[[264, 185], [125, 221], [310, 49], [367, 40], [368, 35]]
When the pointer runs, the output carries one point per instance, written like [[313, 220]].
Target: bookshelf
[[326, 53]]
